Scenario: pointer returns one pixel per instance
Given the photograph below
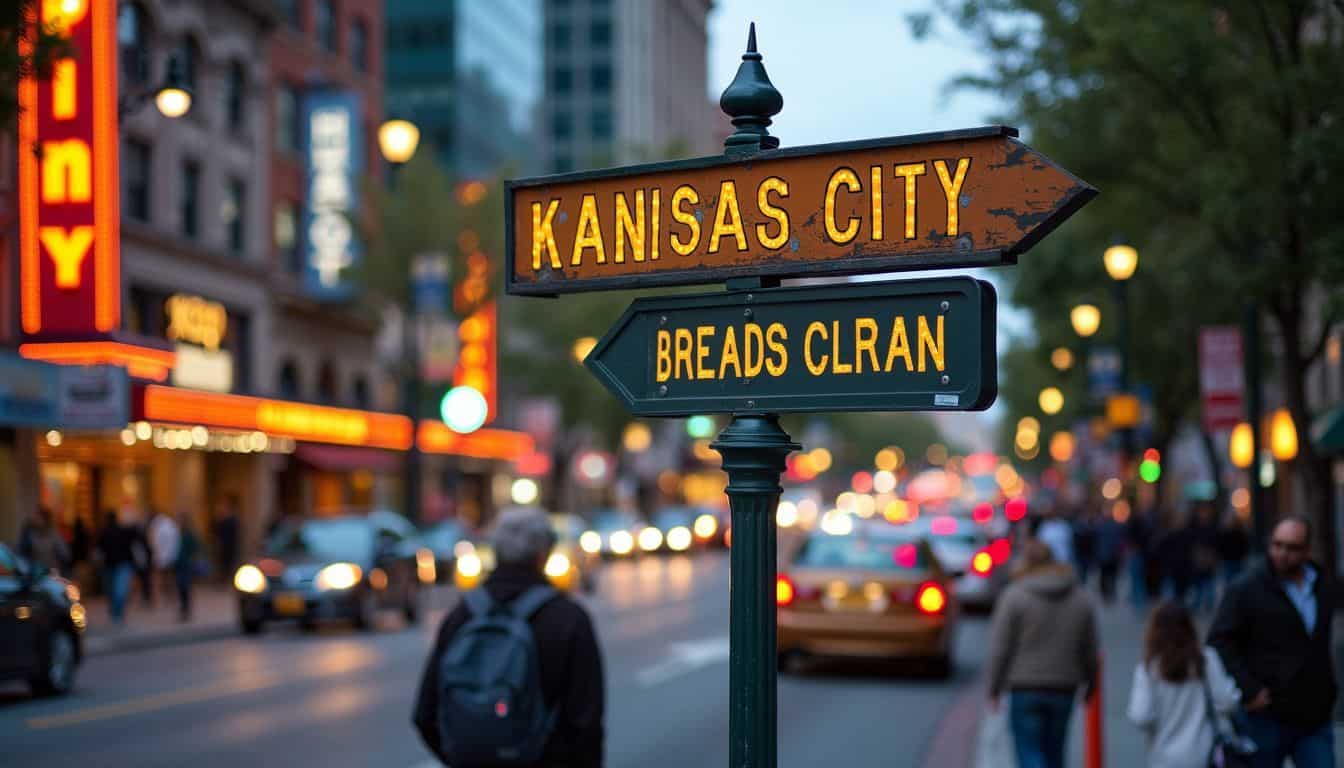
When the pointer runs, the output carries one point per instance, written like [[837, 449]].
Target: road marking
[[685, 659], [167, 699]]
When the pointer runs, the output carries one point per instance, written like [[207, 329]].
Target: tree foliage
[[18, 62]]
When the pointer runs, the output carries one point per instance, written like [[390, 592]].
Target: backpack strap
[[531, 601], [478, 601]]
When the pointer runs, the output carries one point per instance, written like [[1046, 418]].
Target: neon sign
[[333, 151]]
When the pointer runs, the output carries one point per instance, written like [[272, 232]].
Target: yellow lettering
[[590, 233], [66, 174], [67, 251], [926, 342], [909, 172], [875, 195], [775, 336], [754, 346], [781, 216], [655, 216], [865, 340], [841, 176], [836, 365], [702, 334], [819, 367], [663, 356], [682, 343], [727, 219], [63, 105], [899, 346], [627, 228], [685, 194], [729, 356], [952, 188], [544, 236]]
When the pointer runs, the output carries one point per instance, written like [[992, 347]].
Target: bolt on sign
[[70, 281], [961, 198], [912, 345]]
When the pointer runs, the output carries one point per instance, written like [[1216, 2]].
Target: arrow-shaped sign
[[912, 345]]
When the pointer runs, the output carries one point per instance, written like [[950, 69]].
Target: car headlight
[[621, 542], [650, 539], [591, 542], [469, 565], [705, 526], [679, 539], [557, 565], [249, 579], [338, 576]]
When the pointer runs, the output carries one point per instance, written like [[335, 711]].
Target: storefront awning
[[340, 458], [1327, 432]]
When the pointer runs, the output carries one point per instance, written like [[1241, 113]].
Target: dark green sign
[[912, 345]]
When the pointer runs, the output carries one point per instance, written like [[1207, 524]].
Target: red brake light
[[982, 563], [906, 556], [783, 590], [1015, 509], [1001, 550], [931, 599]]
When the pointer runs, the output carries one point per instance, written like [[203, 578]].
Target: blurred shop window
[[359, 45], [189, 198], [601, 78], [326, 24], [599, 34], [133, 42], [288, 382], [232, 212], [562, 80], [359, 391], [288, 128], [287, 236], [560, 37], [136, 172], [326, 382], [235, 96], [562, 126], [601, 124]]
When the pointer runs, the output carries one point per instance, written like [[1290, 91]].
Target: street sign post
[[962, 198], [911, 345]]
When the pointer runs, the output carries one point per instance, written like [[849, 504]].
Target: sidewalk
[[214, 615]]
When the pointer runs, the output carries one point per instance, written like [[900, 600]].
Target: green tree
[[18, 62]]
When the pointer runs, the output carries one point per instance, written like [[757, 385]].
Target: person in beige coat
[[1043, 650]]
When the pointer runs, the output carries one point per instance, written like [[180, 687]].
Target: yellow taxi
[[568, 567]]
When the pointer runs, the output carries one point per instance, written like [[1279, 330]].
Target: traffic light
[[1150, 469]]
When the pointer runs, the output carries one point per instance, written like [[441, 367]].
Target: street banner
[[1221, 378]]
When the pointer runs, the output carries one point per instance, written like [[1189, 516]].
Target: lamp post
[[1121, 260], [397, 140], [172, 97]]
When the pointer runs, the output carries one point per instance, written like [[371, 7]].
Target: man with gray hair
[[567, 659]]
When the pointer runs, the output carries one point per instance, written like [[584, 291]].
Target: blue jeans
[[117, 585], [1278, 741], [1039, 721]]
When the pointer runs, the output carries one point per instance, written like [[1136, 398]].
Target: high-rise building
[[625, 82], [468, 73]]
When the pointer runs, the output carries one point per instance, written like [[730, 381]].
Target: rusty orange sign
[[962, 198]]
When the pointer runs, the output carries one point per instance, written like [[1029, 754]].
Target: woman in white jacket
[[1168, 701]]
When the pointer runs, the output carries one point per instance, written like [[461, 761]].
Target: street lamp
[[398, 140], [1051, 401], [1061, 358], [1121, 260], [1086, 319], [172, 96]]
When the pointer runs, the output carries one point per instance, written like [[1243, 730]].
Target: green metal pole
[[753, 449]]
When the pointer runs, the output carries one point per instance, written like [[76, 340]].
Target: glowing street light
[[1086, 319], [173, 98], [1241, 447], [464, 409], [1283, 435], [398, 140], [1121, 261], [1051, 401], [1061, 358]]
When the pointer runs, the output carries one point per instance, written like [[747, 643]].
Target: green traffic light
[[700, 426], [1150, 471]]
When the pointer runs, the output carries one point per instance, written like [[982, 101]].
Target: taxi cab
[[875, 591], [569, 567]]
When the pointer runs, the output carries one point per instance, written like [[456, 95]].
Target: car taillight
[[783, 590], [982, 563], [931, 599], [1001, 550], [982, 513], [1015, 509]]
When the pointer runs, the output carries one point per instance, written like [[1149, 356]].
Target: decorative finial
[[750, 100]]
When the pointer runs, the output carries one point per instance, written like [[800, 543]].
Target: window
[[600, 33], [235, 95], [326, 24], [189, 198], [137, 173], [562, 80], [601, 78], [359, 45], [133, 43], [288, 380], [287, 235], [326, 382], [288, 130], [359, 392], [562, 127], [601, 124], [235, 203], [560, 36], [189, 63]]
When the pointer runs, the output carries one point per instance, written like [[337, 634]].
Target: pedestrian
[[117, 560], [1272, 630], [1174, 686], [1138, 545], [41, 543], [1084, 544], [567, 677], [1203, 556], [1043, 651], [81, 551], [226, 536], [1057, 534], [164, 540], [1110, 543], [142, 553], [1234, 545], [185, 563], [1173, 558]]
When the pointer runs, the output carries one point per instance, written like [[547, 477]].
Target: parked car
[[977, 560], [568, 567], [675, 526], [346, 567], [444, 539], [41, 625]]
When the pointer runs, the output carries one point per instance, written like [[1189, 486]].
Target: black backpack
[[491, 709]]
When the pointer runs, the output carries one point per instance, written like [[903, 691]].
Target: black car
[[346, 567], [41, 623]]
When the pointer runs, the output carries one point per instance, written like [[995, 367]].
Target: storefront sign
[[199, 368], [1221, 378], [960, 198], [94, 397], [27, 392], [196, 320], [334, 151], [70, 281], [915, 345]]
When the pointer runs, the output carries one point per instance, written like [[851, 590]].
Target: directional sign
[[961, 198], [913, 345]]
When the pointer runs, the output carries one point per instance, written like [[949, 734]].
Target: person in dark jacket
[[115, 551], [1234, 545], [1110, 536], [569, 661], [1203, 556], [1272, 631]]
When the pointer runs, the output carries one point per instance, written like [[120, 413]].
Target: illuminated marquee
[[334, 151], [68, 199]]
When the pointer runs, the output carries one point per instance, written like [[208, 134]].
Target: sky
[[850, 69]]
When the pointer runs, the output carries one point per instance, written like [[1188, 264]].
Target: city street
[[340, 698]]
